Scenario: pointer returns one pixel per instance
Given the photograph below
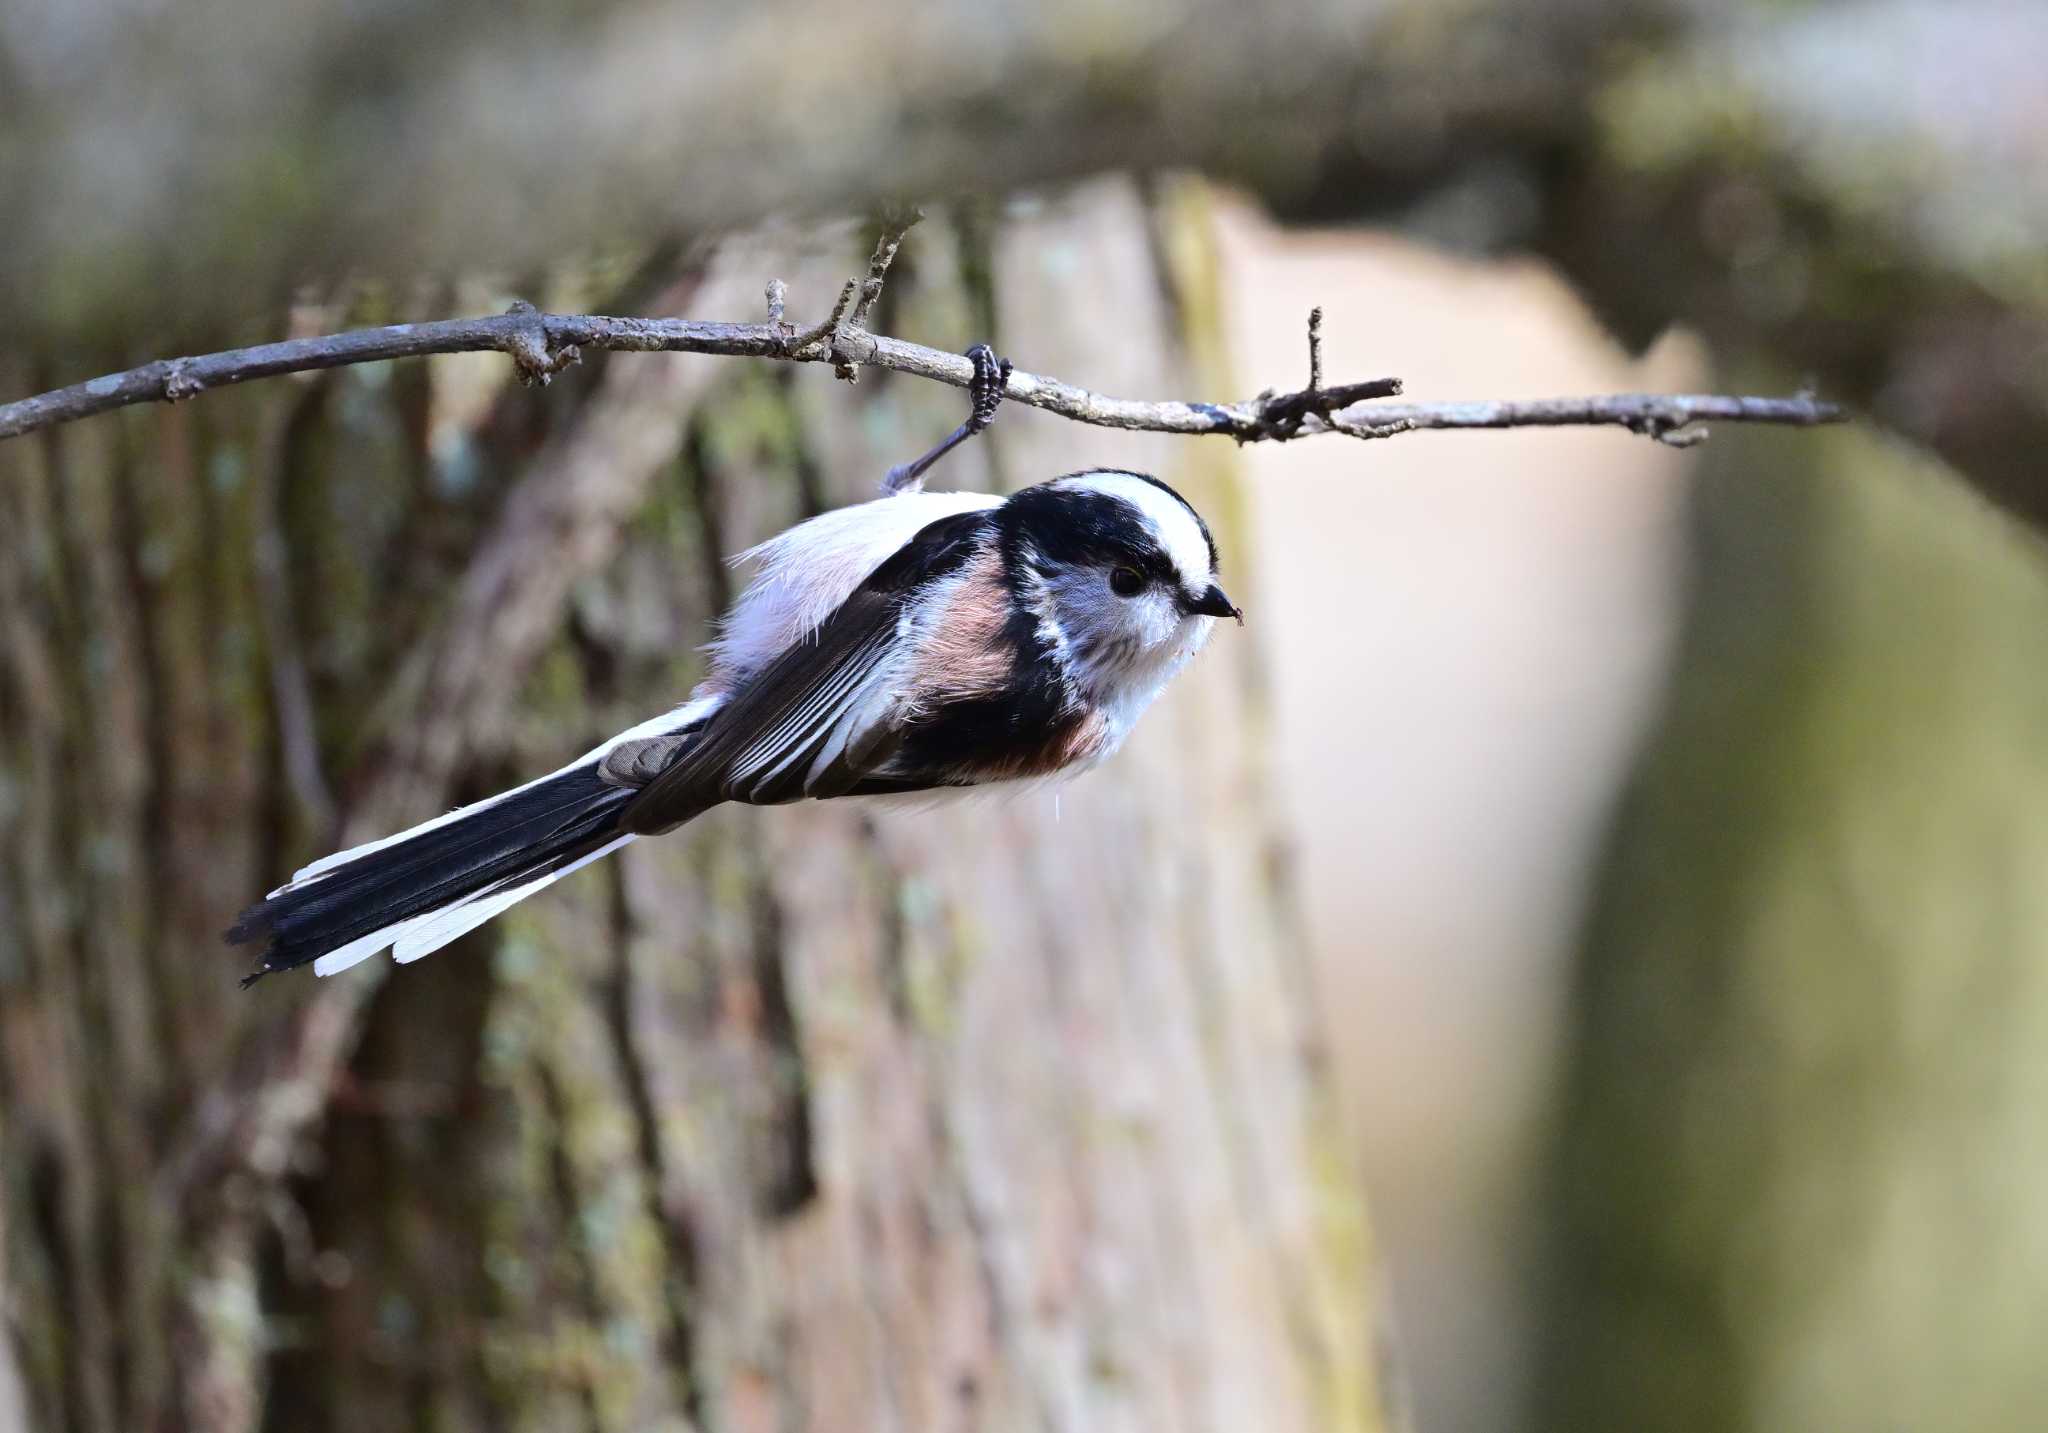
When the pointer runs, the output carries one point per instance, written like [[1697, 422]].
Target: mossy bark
[[1799, 1158], [1004, 1115]]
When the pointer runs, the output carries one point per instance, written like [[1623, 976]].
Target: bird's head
[[1119, 572]]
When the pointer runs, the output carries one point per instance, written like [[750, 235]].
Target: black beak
[[1213, 604]]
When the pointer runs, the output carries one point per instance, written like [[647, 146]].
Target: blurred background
[[1575, 960]]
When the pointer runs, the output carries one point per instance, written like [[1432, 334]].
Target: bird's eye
[[1126, 581]]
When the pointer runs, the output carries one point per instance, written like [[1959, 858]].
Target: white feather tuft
[[357, 951], [427, 934], [694, 710], [808, 571]]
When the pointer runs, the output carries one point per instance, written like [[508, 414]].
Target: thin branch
[[541, 344], [1667, 417]]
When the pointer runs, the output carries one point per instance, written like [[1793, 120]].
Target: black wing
[[820, 718]]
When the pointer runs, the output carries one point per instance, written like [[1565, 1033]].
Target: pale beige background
[[1466, 632]]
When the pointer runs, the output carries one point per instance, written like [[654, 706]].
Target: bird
[[921, 644]]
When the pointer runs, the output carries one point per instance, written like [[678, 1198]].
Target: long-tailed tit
[[922, 642]]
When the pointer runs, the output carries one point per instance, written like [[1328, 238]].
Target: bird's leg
[[985, 390]]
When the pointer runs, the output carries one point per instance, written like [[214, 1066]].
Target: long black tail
[[492, 849]]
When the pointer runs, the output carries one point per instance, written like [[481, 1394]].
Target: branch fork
[[534, 354]]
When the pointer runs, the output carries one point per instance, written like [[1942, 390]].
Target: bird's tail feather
[[424, 887]]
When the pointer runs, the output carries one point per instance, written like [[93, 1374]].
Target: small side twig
[[820, 341], [1351, 428], [533, 354], [1278, 417], [854, 324], [895, 225], [1281, 416]]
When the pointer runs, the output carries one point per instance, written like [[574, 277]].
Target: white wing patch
[[808, 571]]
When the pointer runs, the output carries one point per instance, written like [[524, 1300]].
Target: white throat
[[1118, 654]]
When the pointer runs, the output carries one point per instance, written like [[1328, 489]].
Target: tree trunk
[[1797, 1182], [1006, 1115]]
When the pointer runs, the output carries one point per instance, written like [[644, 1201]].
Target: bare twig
[[1667, 417], [541, 344], [894, 227], [1281, 416], [815, 344], [1315, 349]]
